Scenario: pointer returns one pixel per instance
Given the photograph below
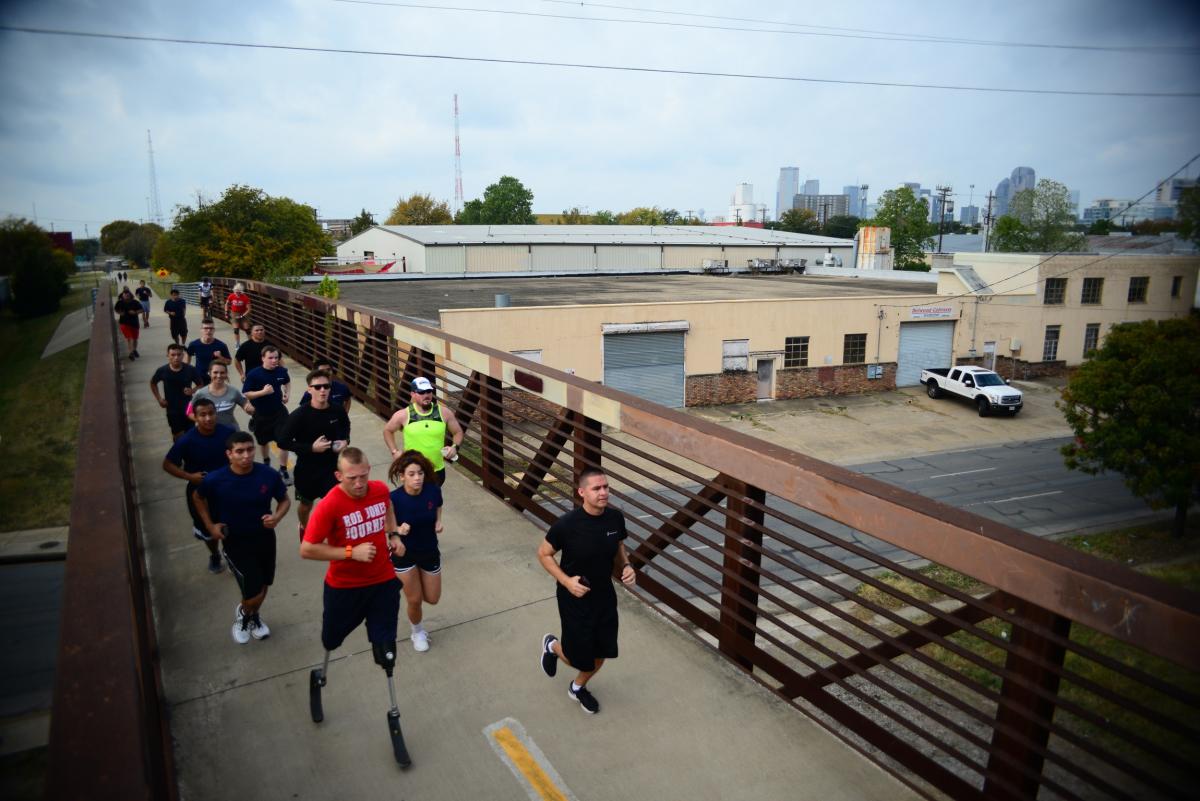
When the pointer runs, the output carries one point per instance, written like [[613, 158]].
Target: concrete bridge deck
[[677, 721]]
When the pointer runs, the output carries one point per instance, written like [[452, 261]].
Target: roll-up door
[[923, 345], [649, 365]]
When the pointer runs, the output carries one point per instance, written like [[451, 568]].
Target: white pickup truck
[[987, 390]]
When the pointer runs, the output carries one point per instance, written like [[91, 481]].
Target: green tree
[[362, 222], [799, 221], [671, 217], [908, 217], [641, 215], [1045, 211], [139, 245], [87, 249], [842, 226], [113, 236], [470, 214], [1133, 407], [1188, 211], [246, 234], [1010, 236], [507, 202], [38, 271], [573, 216], [604, 217], [420, 209], [1101, 228]]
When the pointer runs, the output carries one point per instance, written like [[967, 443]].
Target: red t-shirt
[[340, 520], [238, 303]]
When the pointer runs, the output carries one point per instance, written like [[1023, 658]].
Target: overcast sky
[[343, 132]]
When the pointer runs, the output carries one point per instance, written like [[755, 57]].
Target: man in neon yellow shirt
[[424, 427]]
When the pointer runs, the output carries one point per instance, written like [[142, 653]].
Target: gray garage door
[[649, 365], [923, 345]]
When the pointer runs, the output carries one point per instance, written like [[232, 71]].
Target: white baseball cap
[[422, 385]]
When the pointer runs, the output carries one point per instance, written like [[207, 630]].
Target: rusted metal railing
[[108, 730], [968, 657]]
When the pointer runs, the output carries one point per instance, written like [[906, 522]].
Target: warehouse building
[[566, 249]]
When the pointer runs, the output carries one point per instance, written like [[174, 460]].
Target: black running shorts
[[589, 629], [266, 426], [251, 560], [426, 561], [346, 608]]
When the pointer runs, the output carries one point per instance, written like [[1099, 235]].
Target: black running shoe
[[214, 564], [549, 659], [586, 700]]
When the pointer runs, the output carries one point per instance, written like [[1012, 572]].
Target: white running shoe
[[258, 629], [420, 641], [241, 626]]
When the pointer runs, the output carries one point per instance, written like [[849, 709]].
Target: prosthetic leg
[[316, 680], [385, 657]]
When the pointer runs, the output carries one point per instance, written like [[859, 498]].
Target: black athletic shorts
[[441, 476], [251, 560], [589, 630], [266, 426], [345, 609], [311, 486], [178, 328], [426, 561], [198, 529], [178, 421]]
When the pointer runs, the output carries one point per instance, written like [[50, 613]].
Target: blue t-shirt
[[202, 355], [420, 512], [339, 393], [241, 501], [178, 306], [258, 378], [197, 453]]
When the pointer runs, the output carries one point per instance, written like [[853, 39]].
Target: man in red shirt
[[354, 529], [237, 309]]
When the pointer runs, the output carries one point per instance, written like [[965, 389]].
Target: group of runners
[[379, 543]]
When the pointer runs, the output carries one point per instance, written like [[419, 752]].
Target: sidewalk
[[677, 721]]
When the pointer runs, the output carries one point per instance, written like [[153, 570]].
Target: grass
[[39, 418]]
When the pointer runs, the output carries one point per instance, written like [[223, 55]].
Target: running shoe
[[214, 564], [586, 700], [548, 659], [241, 626], [420, 641], [258, 629], [286, 476], [136, 355]]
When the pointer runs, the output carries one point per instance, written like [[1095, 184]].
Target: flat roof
[[421, 300], [607, 235]]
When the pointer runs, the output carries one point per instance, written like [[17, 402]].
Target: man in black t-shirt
[[176, 309], [316, 433], [591, 539], [178, 380], [207, 349], [128, 311], [144, 295], [249, 353]]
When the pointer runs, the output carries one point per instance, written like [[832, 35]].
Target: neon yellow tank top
[[426, 433]]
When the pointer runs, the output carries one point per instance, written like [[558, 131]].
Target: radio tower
[[155, 210], [458, 193]]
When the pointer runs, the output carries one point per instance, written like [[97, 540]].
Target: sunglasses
[[319, 387]]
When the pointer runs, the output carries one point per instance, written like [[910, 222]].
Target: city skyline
[[352, 130]]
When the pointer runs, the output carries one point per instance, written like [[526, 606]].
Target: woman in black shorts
[[418, 504]]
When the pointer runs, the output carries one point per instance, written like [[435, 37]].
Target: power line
[[578, 65], [880, 35]]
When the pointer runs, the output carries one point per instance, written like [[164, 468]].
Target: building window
[[1091, 338], [531, 355], [1050, 348], [854, 349], [1137, 288], [735, 354], [1176, 285], [1093, 290], [368, 255], [1056, 291], [795, 352]]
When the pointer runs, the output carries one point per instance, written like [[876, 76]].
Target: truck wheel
[[932, 389], [984, 407]]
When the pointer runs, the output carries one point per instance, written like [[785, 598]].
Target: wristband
[[349, 551]]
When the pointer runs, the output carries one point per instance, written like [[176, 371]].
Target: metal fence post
[[491, 429], [743, 524]]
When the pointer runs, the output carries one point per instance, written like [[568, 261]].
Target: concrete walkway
[[677, 721]]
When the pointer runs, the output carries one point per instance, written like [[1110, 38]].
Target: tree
[[246, 234], [362, 222], [671, 217], [1133, 408], [1188, 211], [908, 217], [604, 217], [471, 213], [799, 221], [39, 272], [140, 243], [1046, 213], [573, 216], [113, 236], [842, 226], [420, 209], [1010, 236], [1101, 227], [87, 249], [507, 202], [641, 215]]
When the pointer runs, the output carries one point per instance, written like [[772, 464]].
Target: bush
[[39, 287]]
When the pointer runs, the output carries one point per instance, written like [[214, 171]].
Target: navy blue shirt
[[239, 502], [197, 453], [339, 393], [202, 355], [258, 378], [175, 382], [178, 306], [420, 512]]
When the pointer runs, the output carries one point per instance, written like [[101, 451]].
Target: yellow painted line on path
[[526, 761]]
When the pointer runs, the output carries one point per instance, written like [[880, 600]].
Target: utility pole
[[943, 193], [987, 222]]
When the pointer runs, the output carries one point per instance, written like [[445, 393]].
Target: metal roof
[[608, 235]]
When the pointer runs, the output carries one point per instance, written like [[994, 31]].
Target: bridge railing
[[108, 729], [967, 657]]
